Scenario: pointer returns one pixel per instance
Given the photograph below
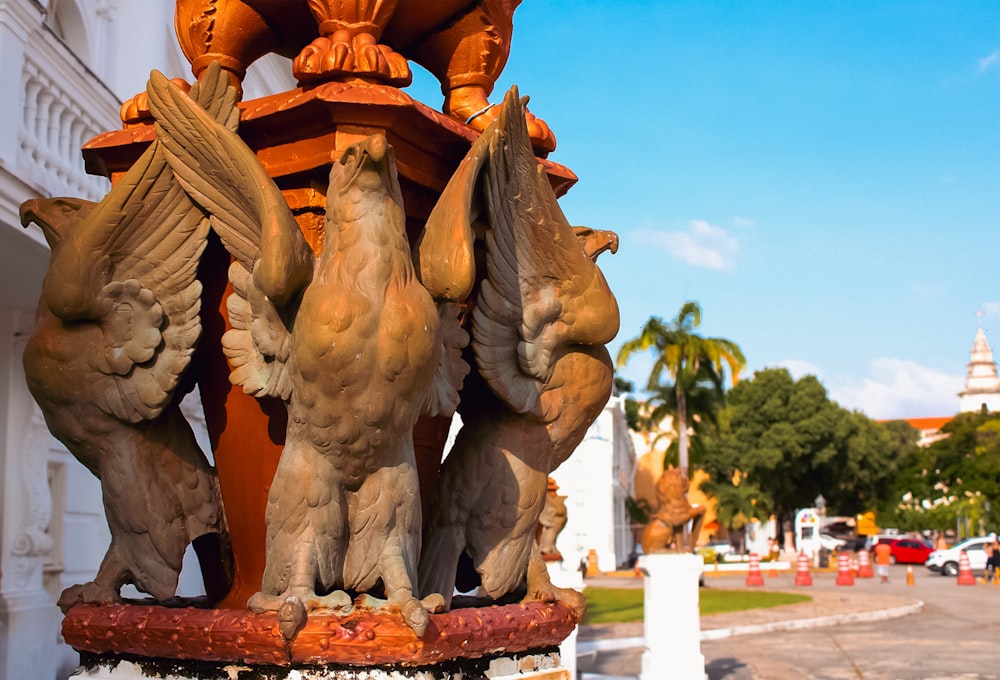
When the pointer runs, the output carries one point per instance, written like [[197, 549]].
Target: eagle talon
[[345, 53], [291, 617]]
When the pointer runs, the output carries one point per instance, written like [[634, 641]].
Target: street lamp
[[820, 505]]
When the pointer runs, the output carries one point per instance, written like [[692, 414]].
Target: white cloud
[[898, 388], [799, 368], [991, 308], [702, 245], [988, 62]]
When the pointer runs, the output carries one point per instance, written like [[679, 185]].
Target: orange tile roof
[[934, 423]]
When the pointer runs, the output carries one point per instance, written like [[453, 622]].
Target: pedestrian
[[993, 562], [941, 544], [883, 558], [988, 571]]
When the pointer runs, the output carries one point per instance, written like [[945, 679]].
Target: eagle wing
[[129, 265], [274, 264], [542, 292]]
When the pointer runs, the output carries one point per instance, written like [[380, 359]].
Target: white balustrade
[[55, 125]]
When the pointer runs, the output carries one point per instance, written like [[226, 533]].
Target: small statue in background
[[665, 530], [551, 522]]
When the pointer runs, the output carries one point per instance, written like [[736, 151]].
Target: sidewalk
[[621, 644]]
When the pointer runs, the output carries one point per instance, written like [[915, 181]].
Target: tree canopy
[[788, 439]]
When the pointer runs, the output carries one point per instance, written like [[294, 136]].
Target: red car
[[907, 550]]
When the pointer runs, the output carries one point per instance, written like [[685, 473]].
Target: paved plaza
[[932, 630]]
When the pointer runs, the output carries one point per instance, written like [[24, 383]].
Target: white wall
[[596, 481]]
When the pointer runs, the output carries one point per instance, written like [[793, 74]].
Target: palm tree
[[695, 366], [738, 504]]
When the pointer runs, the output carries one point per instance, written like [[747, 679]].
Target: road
[[956, 636]]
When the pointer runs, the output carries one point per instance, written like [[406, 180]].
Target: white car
[[830, 543], [945, 562]]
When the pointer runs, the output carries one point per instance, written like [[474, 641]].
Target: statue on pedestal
[[335, 306], [665, 531]]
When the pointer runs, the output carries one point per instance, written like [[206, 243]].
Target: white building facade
[[596, 480]]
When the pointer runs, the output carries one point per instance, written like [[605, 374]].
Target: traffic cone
[[754, 577], [845, 577], [909, 576], [854, 566], [865, 566], [802, 577], [965, 577]]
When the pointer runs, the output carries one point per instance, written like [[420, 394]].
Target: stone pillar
[[563, 578], [673, 623], [17, 21], [29, 620]]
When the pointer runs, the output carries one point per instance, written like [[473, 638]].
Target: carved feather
[[443, 397], [129, 265], [273, 264], [224, 176], [542, 293]]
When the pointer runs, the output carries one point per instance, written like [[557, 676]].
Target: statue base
[[534, 666], [672, 622], [515, 638]]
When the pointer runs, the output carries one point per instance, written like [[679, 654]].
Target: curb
[[816, 622], [614, 644]]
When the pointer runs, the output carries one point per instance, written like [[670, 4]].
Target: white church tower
[[982, 384]]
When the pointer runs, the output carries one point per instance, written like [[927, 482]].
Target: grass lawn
[[623, 605]]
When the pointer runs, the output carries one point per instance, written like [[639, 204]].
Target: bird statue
[[540, 318], [353, 343], [117, 326]]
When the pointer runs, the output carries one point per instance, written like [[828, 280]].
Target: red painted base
[[363, 638]]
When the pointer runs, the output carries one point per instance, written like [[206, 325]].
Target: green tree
[[687, 381], [796, 444], [954, 481]]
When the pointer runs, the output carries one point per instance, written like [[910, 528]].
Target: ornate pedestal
[[496, 642], [295, 135]]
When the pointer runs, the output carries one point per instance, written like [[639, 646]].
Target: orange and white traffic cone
[[845, 577], [802, 577], [909, 576], [865, 566], [754, 577], [965, 576]]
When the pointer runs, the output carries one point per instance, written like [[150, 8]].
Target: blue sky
[[823, 177]]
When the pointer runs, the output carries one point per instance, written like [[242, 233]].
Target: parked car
[[873, 539], [831, 543], [721, 548], [946, 561], [908, 550]]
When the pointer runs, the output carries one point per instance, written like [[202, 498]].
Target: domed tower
[[982, 384]]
